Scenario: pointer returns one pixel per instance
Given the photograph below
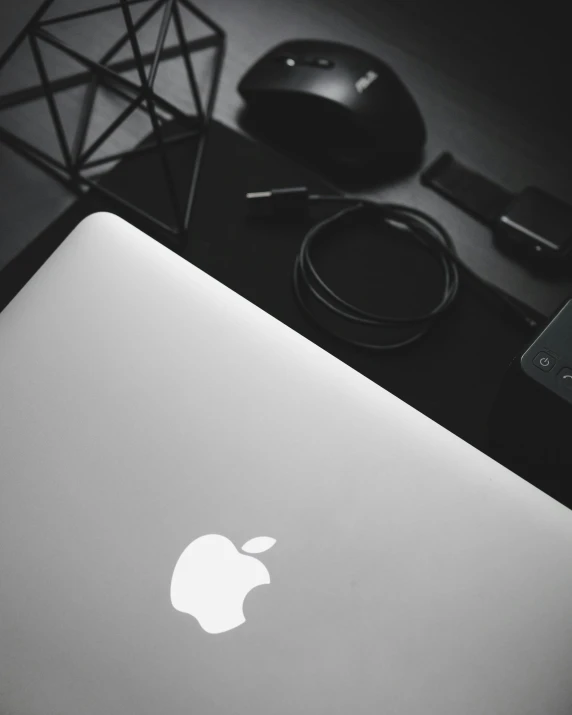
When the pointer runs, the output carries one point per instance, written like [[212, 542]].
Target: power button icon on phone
[[544, 361]]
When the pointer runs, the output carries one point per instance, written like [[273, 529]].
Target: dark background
[[492, 80]]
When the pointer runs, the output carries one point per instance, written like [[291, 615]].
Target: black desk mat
[[452, 376]]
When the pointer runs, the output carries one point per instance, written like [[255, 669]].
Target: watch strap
[[470, 191]]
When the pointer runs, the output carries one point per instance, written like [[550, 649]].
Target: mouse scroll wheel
[[287, 60], [320, 62]]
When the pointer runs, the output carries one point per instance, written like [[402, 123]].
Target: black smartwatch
[[532, 223]]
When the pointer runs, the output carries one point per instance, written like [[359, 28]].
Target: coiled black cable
[[418, 225]]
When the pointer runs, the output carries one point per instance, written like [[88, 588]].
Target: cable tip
[[291, 201], [259, 194]]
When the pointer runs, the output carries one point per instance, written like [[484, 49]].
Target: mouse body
[[333, 101]]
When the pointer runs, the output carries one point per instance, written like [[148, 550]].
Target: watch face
[[542, 218]]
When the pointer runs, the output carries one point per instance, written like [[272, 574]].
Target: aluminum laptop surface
[[202, 512]]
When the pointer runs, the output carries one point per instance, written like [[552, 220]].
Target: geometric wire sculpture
[[76, 161]]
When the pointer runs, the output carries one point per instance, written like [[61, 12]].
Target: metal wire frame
[[77, 159]]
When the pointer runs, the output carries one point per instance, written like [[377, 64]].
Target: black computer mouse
[[334, 102]]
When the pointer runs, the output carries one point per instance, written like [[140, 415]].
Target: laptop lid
[[203, 512]]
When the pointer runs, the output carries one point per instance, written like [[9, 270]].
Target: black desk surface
[[452, 375], [500, 104]]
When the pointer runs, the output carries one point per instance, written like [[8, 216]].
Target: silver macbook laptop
[[201, 512]]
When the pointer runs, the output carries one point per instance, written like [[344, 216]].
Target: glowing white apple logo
[[212, 578]]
